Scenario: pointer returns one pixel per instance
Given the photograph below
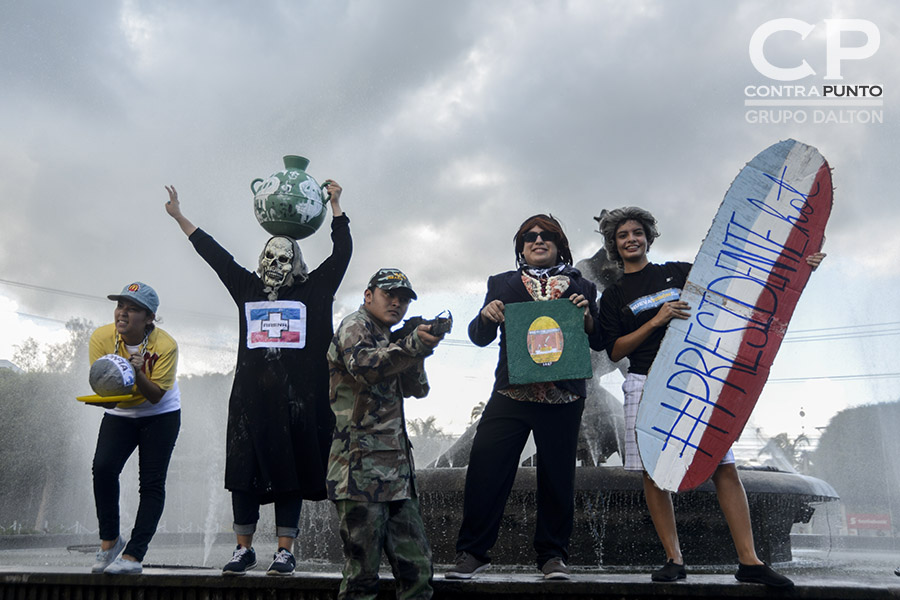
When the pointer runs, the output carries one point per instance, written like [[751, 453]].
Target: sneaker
[[241, 561], [762, 574], [283, 564], [467, 566], [104, 558], [555, 568], [897, 571], [671, 571], [120, 566]]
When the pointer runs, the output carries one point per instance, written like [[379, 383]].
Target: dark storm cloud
[[447, 123], [59, 54]]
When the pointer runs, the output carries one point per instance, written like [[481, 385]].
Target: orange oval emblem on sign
[[545, 341]]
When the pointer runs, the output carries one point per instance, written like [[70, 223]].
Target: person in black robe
[[279, 420]]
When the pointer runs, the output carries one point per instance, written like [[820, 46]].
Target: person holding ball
[[149, 422]]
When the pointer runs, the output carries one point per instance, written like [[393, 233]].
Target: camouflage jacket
[[371, 458]]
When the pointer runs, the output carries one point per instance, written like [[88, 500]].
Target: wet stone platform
[[180, 568], [70, 583]]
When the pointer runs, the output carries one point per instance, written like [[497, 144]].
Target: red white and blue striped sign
[[742, 290], [278, 324]]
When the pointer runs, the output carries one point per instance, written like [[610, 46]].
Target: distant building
[[5, 364]]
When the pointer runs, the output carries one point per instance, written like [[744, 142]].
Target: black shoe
[[283, 564], [671, 571], [555, 568], [241, 561], [467, 566], [897, 571], [762, 574]]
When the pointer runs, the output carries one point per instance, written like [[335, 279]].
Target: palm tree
[[476, 412], [782, 448], [426, 428]]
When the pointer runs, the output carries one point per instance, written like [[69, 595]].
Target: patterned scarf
[[546, 283]]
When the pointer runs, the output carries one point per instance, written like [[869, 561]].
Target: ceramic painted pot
[[289, 202]]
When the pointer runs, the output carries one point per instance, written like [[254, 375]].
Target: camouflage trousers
[[395, 527]]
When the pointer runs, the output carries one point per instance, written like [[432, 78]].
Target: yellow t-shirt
[[160, 362]]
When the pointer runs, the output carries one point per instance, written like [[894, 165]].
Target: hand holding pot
[[333, 195]]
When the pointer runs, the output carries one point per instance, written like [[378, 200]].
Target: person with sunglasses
[[549, 410]]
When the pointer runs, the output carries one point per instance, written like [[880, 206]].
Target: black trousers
[[154, 437], [501, 436], [245, 507]]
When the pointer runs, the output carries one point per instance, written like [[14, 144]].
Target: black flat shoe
[[671, 571], [762, 574]]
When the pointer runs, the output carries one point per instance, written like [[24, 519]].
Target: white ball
[[112, 375]]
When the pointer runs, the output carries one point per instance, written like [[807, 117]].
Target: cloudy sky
[[447, 124]]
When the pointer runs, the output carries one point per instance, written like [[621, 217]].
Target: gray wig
[[610, 220]]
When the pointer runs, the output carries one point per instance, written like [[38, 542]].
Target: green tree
[[857, 454], [45, 444], [28, 356], [476, 412], [426, 428], [71, 355], [43, 437]]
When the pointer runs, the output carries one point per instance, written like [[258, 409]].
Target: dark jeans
[[245, 506], [502, 434], [154, 437]]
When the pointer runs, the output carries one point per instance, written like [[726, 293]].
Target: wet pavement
[[863, 574]]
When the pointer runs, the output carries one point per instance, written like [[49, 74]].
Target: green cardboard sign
[[545, 341]]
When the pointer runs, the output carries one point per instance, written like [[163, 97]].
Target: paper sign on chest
[[278, 324]]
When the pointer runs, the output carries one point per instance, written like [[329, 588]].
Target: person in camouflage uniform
[[371, 476]]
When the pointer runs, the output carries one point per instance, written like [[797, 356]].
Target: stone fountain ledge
[[56, 583]]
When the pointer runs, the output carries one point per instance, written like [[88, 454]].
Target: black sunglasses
[[532, 236]]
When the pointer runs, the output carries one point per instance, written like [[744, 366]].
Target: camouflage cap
[[391, 279]]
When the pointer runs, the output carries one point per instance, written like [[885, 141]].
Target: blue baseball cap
[[141, 294]]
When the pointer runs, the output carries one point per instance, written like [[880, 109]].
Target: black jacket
[[508, 288]]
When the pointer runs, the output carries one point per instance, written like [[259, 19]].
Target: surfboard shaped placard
[[742, 289]]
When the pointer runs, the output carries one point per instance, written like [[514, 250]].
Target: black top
[[634, 300], [279, 419], [509, 289]]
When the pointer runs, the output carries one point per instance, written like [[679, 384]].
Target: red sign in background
[[868, 521]]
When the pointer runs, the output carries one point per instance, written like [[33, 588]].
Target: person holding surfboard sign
[[634, 313], [148, 420]]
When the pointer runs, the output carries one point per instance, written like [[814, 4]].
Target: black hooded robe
[[280, 423]]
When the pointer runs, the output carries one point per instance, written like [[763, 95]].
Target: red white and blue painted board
[[742, 289]]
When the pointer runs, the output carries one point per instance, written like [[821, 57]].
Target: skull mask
[[276, 263]]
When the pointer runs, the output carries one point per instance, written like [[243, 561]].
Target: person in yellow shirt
[[150, 423]]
